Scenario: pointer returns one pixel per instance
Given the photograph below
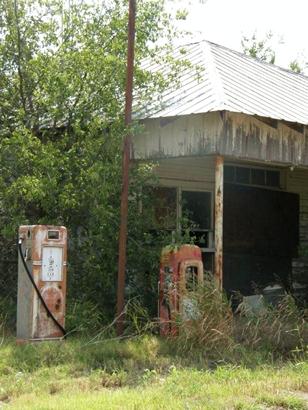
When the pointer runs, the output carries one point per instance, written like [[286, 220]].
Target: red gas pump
[[181, 270]]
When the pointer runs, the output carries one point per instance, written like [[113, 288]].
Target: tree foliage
[[259, 48], [264, 51], [296, 66], [62, 80]]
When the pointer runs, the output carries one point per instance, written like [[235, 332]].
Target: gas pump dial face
[[52, 264]]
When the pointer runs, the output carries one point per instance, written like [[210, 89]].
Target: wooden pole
[[125, 168], [219, 194]]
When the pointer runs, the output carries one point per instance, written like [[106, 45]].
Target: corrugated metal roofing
[[228, 80]]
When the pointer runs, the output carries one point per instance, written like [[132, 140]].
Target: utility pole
[[125, 168]]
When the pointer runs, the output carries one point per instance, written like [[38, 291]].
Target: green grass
[[146, 373]]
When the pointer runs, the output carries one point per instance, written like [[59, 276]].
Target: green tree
[[294, 66], [262, 49], [62, 80], [259, 48]]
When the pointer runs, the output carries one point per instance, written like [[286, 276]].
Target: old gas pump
[[181, 270], [42, 257]]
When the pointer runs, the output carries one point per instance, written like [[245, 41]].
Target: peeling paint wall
[[192, 135], [230, 134], [251, 138], [187, 173]]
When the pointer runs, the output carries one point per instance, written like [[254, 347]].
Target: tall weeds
[[281, 329], [208, 323]]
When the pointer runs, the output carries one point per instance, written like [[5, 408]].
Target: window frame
[[257, 167], [180, 208]]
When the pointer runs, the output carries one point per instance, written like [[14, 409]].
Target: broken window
[[196, 205], [165, 207]]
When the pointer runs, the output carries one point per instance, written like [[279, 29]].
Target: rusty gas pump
[[181, 270], [42, 259]]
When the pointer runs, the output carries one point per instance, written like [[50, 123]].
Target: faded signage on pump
[[52, 264]]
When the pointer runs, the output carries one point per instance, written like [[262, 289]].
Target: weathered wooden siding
[[297, 182], [187, 173], [192, 135], [251, 138], [229, 134]]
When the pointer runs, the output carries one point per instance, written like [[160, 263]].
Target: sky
[[226, 21]]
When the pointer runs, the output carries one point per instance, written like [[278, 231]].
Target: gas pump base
[[42, 260]]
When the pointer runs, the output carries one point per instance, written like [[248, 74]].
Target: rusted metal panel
[[219, 193], [46, 257]]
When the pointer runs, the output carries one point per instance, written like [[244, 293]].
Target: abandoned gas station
[[230, 144]]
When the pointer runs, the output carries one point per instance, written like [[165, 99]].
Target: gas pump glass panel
[[191, 274], [191, 277], [52, 264]]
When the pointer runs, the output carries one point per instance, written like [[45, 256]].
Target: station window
[[165, 207], [196, 205], [252, 176]]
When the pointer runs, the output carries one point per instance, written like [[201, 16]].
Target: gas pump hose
[[49, 314]]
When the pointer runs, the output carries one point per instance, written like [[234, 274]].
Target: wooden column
[[219, 190]]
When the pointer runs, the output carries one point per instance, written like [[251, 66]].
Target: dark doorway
[[261, 234]]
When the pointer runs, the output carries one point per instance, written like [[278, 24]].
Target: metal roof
[[222, 79]]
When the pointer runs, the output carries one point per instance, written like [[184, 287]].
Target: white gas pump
[[42, 260]]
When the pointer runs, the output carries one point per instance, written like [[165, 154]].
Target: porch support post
[[219, 191]]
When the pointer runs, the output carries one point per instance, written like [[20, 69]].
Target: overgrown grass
[[144, 373], [216, 362], [208, 323], [283, 329]]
